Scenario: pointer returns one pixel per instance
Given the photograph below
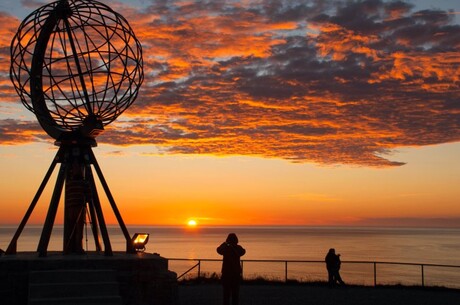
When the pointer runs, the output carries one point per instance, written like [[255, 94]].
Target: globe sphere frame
[[77, 65]]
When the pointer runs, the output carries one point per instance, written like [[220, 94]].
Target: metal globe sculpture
[[77, 65]]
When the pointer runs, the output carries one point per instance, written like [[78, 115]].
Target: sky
[[267, 113]]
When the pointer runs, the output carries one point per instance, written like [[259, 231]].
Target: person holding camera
[[231, 268]]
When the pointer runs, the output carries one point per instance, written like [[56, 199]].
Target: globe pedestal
[[140, 279]]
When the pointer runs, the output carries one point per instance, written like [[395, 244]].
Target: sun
[[192, 223]]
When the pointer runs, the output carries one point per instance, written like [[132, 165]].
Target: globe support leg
[[129, 246], [94, 226], [99, 215], [12, 247], [51, 216], [92, 215]]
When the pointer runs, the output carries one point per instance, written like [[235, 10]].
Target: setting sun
[[192, 223]]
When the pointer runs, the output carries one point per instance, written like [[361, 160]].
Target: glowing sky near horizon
[[269, 112]]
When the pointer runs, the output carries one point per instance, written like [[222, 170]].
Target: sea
[[407, 256]]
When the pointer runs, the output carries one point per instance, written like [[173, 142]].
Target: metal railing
[[286, 263]]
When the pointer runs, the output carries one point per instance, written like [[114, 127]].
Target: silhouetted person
[[231, 268], [333, 266]]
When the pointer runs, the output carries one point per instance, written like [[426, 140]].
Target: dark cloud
[[19, 132], [308, 81]]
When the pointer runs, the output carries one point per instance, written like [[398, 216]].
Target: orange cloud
[[443, 68], [321, 82], [338, 42]]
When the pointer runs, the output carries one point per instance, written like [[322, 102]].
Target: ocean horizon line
[[255, 226]]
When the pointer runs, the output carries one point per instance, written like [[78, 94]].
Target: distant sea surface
[[404, 245]]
